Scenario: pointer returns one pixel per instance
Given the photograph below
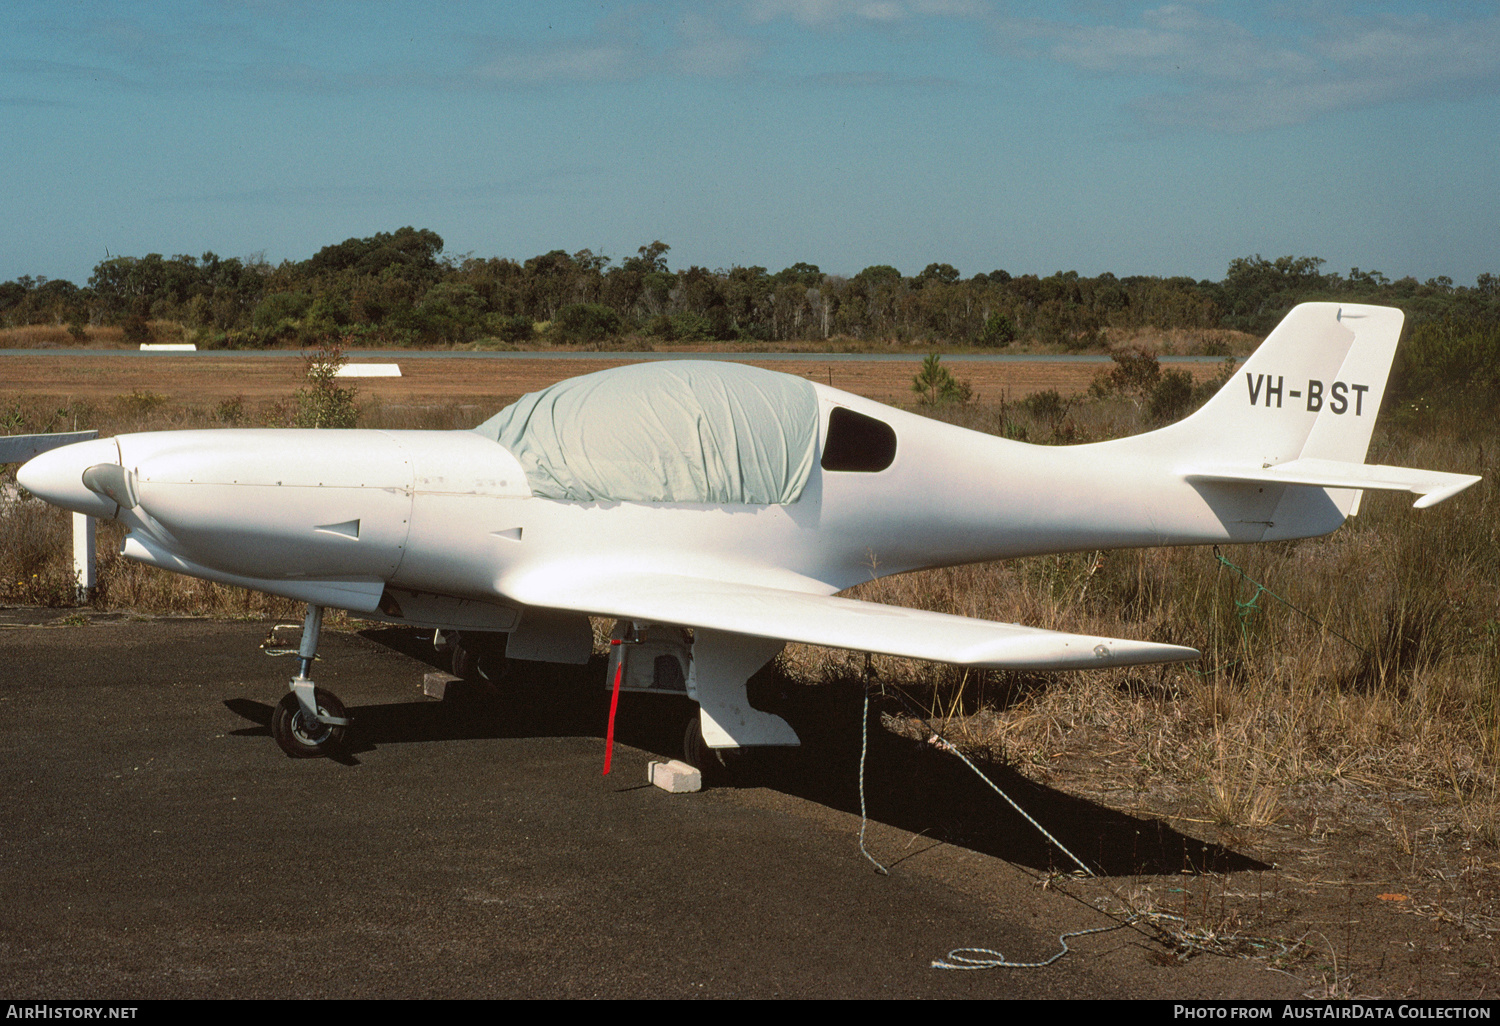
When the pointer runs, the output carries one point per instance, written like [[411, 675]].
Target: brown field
[[485, 382]]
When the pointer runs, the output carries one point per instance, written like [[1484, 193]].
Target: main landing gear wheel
[[478, 659], [305, 738]]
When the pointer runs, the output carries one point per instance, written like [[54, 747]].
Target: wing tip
[[1076, 652], [1438, 495]]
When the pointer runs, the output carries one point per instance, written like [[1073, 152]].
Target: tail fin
[[1300, 412], [1312, 390]]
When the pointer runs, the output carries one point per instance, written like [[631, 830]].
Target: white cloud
[[619, 50], [586, 60], [876, 80], [138, 53], [832, 12], [1220, 73], [1176, 42], [706, 49]]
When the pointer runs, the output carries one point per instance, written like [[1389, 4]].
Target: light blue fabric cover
[[672, 431]]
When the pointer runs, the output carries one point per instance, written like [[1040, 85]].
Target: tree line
[[399, 289]]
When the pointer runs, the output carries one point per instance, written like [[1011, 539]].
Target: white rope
[[948, 746], [964, 958], [967, 958], [864, 734]]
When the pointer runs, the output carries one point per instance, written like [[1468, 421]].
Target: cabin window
[[858, 443]]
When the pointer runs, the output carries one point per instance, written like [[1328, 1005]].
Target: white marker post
[[85, 573]]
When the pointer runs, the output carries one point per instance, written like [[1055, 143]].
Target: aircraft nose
[[58, 477]]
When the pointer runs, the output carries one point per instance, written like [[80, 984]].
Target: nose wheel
[[309, 721], [302, 737]]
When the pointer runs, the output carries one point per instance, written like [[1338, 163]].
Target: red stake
[[614, 702]]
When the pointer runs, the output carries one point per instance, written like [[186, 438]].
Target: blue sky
[[1035, 137]]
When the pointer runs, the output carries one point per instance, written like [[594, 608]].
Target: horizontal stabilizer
[[1431, 485], [830, 621]]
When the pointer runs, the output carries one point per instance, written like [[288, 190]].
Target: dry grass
[[1166, 342], [1183, 341], [202, 379], [55, 336]]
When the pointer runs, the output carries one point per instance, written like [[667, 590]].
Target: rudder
[[1311, 390]]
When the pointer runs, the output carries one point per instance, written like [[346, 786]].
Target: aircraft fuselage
[[450, 513]]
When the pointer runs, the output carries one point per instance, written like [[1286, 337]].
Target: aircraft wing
[[1431, 485], [833, 622]]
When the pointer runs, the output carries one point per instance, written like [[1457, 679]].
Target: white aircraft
[[733, 503]]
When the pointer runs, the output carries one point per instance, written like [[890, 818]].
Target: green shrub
[[1047, 406], [231, 410], [1451, 357], [690, 327], [585, 322], [935, 384], [323, 404], [663, 327], [273, 312], [511, 329], [136, 330], [998, 331], [1171, 396]]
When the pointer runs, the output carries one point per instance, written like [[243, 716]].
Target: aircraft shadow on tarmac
[[909, 784]]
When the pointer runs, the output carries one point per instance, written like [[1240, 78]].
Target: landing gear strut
[[718, 765], [309, 722]]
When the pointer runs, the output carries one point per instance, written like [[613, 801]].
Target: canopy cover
[[675, 431]]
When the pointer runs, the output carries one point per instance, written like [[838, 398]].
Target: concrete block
[[435, 684], [675, 776]]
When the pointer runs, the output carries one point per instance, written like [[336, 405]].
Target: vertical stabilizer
[[1312, 390]]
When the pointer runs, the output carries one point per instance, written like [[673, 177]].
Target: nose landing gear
[[304, 737], [309, 721]]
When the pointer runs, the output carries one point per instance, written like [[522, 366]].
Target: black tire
[[476, 661], [302, 740], [460, 661]]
